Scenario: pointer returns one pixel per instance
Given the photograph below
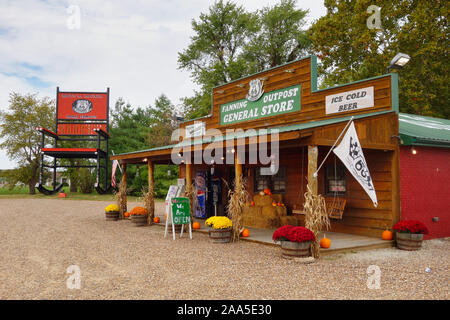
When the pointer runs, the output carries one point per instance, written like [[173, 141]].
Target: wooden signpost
[[179, 214]]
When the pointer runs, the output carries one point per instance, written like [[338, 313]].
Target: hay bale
[[289, 220], [277, 197], [253, 210], [269, 211], [262, 200], [280, 211]]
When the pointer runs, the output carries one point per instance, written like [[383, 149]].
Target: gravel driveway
[[41, 238]]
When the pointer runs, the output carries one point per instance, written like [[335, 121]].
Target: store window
[[276, 183], [335, 179]]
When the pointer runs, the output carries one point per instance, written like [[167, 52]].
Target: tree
[[19, 138], [280, 38], [143, 128], [230, 43], [215, 54], [350, 51]]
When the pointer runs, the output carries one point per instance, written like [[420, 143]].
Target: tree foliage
[[230, 43], [19, 138], [139, 129], [350, 51]]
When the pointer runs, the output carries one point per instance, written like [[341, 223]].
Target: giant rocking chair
[[80, 117]]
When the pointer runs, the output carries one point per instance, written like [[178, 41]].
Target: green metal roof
[[259, 132], [424, 131]]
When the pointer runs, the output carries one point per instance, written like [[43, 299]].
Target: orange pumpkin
[[126, 214], [386, 235], [274, 204], [325, 242], [196, 225], [156, 219], [252, 203], [266, 191], [279, 204], [245, 233]]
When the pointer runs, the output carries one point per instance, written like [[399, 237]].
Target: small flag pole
[[331, 149]]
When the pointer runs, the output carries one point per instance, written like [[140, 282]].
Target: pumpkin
[[266, 191], [245, 233], [196, 225], [156, 219], [325, 242], [252, 203], [274, 204], [279, 204], [386, 235], [126, 214]]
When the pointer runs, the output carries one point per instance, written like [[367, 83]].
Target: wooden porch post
[[123, 188], [151, 209], [312, 167], [237, 169]]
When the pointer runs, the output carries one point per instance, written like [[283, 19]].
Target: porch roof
[[239, 135], [425, 131]]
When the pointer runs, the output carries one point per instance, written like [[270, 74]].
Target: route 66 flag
[[351, 154]]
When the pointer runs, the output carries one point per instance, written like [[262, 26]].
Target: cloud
[[129, 46]]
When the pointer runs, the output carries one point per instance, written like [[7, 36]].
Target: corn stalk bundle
[[148, 199], [238, 198], [316, 218], [191, 194], [121, 199]]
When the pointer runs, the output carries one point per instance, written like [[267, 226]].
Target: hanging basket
[[139, 220], [221, 235], [112, 215], [409, 241], [290, 250]]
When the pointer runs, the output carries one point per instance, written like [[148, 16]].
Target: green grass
[[23, 192]]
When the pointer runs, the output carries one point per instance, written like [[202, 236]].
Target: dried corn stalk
[[191, 194], [121, 199], [238, 198], [316, 218], [149, 203]]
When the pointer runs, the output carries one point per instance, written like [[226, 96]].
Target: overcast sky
[[129, 46]]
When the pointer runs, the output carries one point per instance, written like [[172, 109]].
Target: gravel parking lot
[[41, 238]]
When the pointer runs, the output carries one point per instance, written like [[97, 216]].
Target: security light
[[399, 61]]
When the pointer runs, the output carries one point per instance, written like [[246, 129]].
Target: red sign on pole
[[82, 106]]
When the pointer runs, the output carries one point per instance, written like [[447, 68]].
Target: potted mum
[[409, 234], [112, 212], [139, 216], [220, 229], [295, 241]]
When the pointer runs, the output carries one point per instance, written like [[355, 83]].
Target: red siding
[[424, 188]]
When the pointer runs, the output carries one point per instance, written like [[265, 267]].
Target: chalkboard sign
[[181, 211]]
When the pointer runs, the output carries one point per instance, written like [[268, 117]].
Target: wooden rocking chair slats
[[78, 114], [335, 207]]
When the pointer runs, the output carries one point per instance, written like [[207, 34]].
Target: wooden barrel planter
[[409, 241], [290, 250], [139, 220], [112, 215], [221, 235]]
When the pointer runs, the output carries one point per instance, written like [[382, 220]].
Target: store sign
[[197, 129], [181, 211], [266, 105], [350, 100], [82, 106]]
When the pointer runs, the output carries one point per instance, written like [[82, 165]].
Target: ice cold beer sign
[[350, 100]]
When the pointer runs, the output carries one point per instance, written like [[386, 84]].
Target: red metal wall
[[425, 188]]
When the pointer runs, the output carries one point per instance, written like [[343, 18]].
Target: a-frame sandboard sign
[[180, 213]]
